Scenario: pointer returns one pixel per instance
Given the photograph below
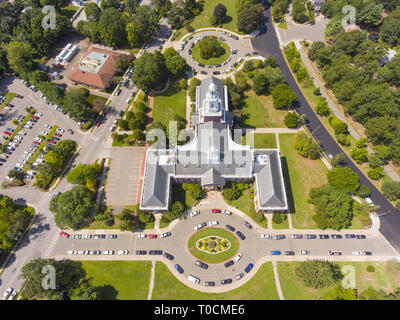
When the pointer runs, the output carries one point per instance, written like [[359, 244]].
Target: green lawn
[[283, 225], [260, 112], [123, 280], [184, 197], [203, 19], [210, 257], [386, 276], [301, 175], [168, 104], [262, 140], [245, 204], [260, 287], [97, 102], [9, 96], [212, 61]]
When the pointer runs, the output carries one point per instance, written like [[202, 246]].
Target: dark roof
[[212, 177]]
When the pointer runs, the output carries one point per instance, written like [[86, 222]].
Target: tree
[[194, 83], [92, 12], [337, 159], [291, 120], [344, 179], [127, 220], [69, 274], [72, 207], [376, 173], [318, 274], [20, 57], [260, 83], [210, 47], [306, 146], [175, 212], [176, 65], [340, 293], [283, 96], [150, 71], [112, 27], [231, 192], [220, 12], [176, 16], [274, 76], [391, 190], [322, 108], [143, 23], [249, 19], [359, 154], [131, 6], [390, 30], [299, 12], [83, 173], [371, 15]]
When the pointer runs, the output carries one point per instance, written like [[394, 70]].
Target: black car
[[2, 160], [178, 268], [368, 253], [280, 237], [336, 236], [310, 236], [240, 235], [168, 256], [350, 236], [201, 264], [361, 236], [55, 138], [201, 65], [121, 113], [209, 283], [289, 253], [155, 252], [141, 252], [230, 228], [226, 281], [248, 225], [216, 72], [324, 236], [228, 263], [218, 65], [203, 72]]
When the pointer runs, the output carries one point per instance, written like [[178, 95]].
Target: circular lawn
[[212, 61], [213, 245]]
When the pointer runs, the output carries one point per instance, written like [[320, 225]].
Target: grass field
[[9, 96], [124, 280], [386, 277], [260, 112], [209, 257], [212, 61], [262, 140], [168, 104], [301, 175], [260, 287], [203, 19]]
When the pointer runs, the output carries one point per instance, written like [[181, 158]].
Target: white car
[[72, 252], [81, 252], [356, 253], [12, 295], [59, 130], [22, 132], [19, 165], [86, 236], [108, 252], [227, 212], [27, 126], [31, 172], [7, 293], [305, 252], [112, 128], [38, 139], [238, 257], [266, 236], [199, 226], [123, 251], [167, 234], [38, 114], [13, 144], [44, 133], [48, 126], [18, 137], [213, 223], [142, 235], [194, 213]]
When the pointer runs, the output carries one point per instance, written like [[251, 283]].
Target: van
[[193, 279]]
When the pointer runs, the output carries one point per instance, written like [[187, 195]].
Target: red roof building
[[96, 69]]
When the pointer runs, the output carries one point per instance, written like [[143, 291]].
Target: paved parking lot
[[50, 116], [254, 249], [123, 179]]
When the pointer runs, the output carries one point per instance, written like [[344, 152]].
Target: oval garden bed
[[213, 245], [222, 57]]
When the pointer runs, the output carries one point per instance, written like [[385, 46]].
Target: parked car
[[240, 276], [280, 237], [201, 264], [266, 236], [142, 235], [238, 257], [335, 253], [305, 252], [228, 263], [7, 293], [168, 256], [289, 253], [248, 268], [240, 235], [275, 253], [178, 268], [336, 236], [361, 236], [194, 213], [215, 211], [324, 236], [226, 281], [199, 226], [227, 212], [209, 283], [141, 252], [64, 234], [166, 234], [123, 251], [213, 223], [350, 236], [152, 236], [230, 228], [155, 252], [310, 236], [248, 225]]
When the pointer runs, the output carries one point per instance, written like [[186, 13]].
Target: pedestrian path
[[151, 286], [277, 282], [51, 246]]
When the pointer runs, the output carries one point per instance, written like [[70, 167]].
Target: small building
[[317, 4], [96, 69], [212, 158]]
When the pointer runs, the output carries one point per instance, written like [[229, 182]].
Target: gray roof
[[212, 177], [204, 87]]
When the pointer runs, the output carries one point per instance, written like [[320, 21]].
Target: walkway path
[[275, 130], [277, 282], [151, 286]]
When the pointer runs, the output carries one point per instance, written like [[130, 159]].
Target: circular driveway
[[241, 46]]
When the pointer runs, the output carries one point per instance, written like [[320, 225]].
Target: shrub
[[317, 92], [291, 120], [370, 268], [213, 21], [276, 218], [322, 108], [319, 273], [343, 139], [183, 84]]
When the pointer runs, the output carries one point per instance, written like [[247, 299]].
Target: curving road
[[268, 44]]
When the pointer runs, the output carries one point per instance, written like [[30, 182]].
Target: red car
[[64, 234], [52, 142], [7, 133], [153, 236], [35, 117], [216, 211], [58, 135], [98, 124], [36, 142]]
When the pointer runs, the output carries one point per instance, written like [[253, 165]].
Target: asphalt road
[[267, 43]]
